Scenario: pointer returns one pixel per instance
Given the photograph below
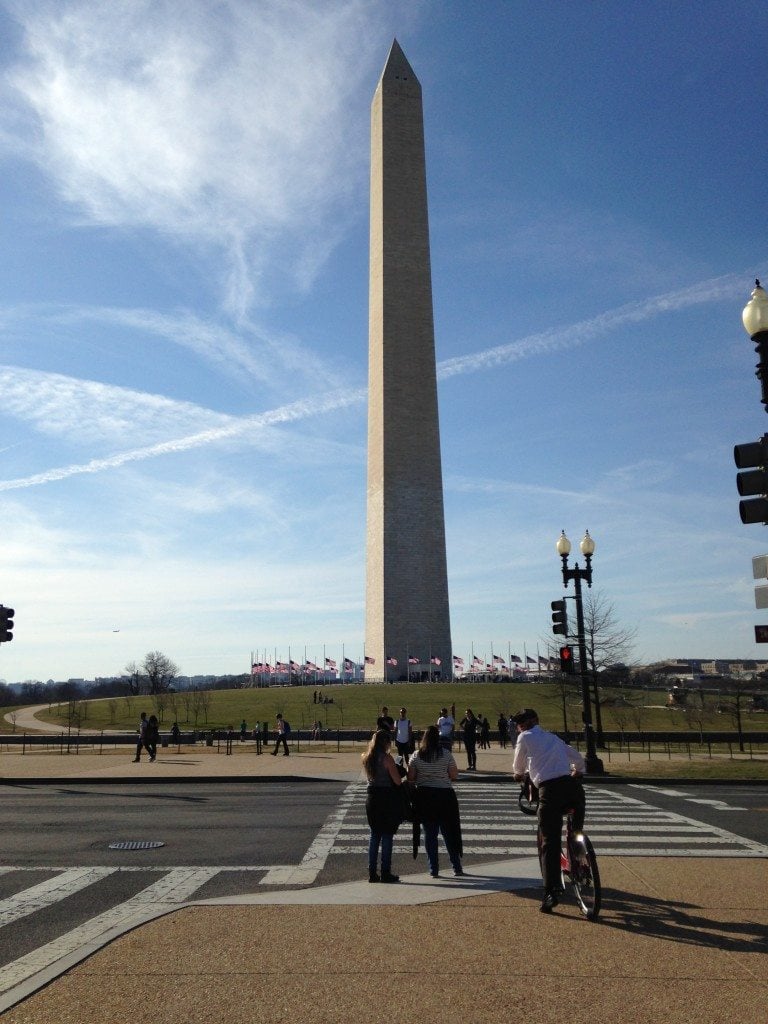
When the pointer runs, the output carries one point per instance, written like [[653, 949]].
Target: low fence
[[624, 744]]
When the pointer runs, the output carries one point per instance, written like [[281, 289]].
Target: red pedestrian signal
[[566, 660]]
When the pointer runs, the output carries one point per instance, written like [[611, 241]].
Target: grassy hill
[[357, 706]]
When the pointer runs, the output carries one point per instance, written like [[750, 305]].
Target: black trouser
[[556, 796], [281, 739], [471, 752]]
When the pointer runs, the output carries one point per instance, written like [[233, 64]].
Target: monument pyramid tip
[[397, 65]]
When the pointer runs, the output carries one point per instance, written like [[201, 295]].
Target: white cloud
[[220, 124]]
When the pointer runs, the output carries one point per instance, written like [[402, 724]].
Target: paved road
[[62, 887]]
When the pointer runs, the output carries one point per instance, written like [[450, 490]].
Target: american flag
[[369, 660], [281, 666], [515, 660], [330, 663], [348, 665], [412, 660], [458, 661], [295, 666], [310, 666], [391, 661], [498, 660], [436, 661], [529, 660], [477, 661]]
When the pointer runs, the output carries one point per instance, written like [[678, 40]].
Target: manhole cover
[[136, 844]]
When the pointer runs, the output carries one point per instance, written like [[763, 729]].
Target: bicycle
[[578, 863]]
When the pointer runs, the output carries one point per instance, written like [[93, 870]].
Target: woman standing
[[383, 806], [433, 769]]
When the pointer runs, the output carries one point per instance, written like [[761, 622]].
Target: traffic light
[[566, 660], [559, 618], [754, 480], [6, 624]]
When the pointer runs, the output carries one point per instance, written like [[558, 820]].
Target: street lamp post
[[755, 320], [593, 763]]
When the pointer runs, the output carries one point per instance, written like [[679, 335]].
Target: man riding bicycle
[[556, 770]]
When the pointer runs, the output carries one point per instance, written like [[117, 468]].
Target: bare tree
[[606, 641], [159, 671], [135, 679]]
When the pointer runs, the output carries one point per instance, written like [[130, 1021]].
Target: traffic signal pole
[[593, 763]]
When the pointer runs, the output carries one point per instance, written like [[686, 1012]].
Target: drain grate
[[136, 844]]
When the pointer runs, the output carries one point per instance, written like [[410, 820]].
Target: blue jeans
[[385, 840], [431, 829]]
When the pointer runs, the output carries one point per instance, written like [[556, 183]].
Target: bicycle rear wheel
[[585, 878]]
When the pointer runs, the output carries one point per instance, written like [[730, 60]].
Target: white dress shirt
[[544, 756]]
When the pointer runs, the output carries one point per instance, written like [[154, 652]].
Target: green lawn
[[357, 706]]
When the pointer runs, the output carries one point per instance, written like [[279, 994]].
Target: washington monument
[[407, 628]]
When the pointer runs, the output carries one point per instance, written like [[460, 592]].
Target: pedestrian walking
[[151, 737], [142, 744], [282, 730], [433, 770], [243, 731]]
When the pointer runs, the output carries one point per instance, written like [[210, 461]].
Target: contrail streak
[[713, 290]]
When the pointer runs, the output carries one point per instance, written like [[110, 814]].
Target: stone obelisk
[[407, 613]]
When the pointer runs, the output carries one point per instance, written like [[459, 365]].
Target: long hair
[[378, 746], [429, 748]]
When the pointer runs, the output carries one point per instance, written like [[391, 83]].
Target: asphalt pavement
[[678, 939]]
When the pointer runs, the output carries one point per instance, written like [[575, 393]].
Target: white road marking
[[313, 861], [29, 972], [48, 892]]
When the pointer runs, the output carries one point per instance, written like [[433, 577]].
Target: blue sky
[[183, 300]]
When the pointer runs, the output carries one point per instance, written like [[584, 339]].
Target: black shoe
[[136, 760], [373, 877], [274, 753], [435, 874], [549, 902], [458, 872], [387, 876]]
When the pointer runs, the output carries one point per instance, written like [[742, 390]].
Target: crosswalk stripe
[[177, 886], [48, 892], [631, 826]]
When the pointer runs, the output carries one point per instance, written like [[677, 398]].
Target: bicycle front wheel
[[585, 878]]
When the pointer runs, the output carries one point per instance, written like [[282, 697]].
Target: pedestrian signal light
[[559, 618], [566, 660]]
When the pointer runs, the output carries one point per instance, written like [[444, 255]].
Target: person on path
[[243, 731], [142, 744], [445, 725], [470, 725], [281, 730], [485, 733], [385, 720], [433, 770], [503, 731], [383, 807], [404, 736], [151, 737], [556, 769]]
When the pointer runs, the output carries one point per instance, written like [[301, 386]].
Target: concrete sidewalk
[[675, 943], [677, 940]]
